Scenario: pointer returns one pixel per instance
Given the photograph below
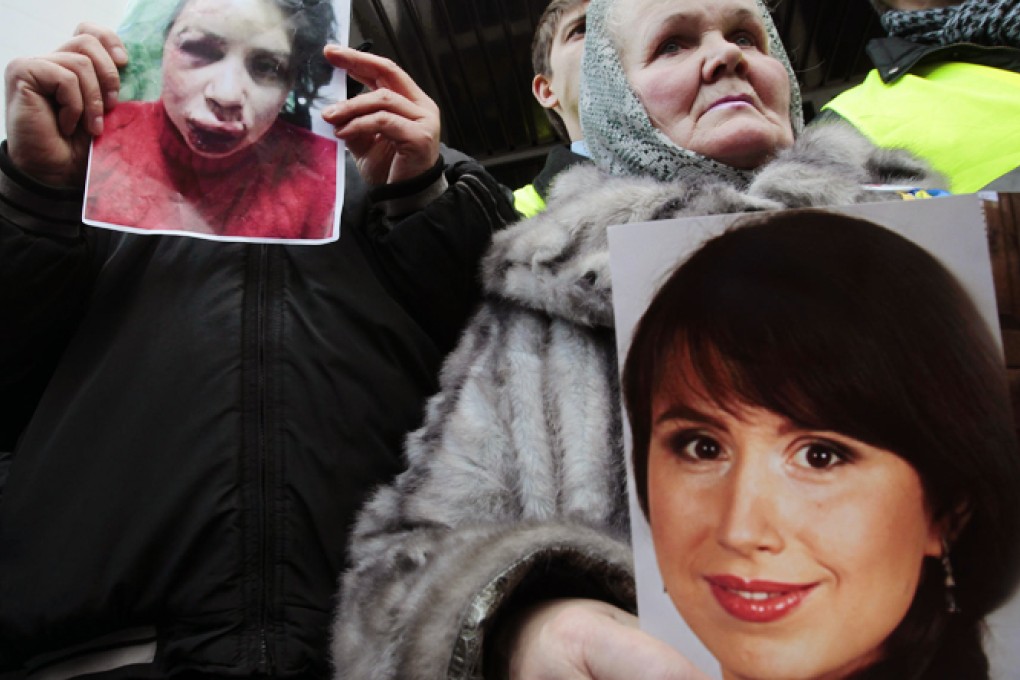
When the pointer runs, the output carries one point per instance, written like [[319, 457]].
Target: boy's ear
[[541, 88]]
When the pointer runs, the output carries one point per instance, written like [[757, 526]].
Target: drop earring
[[950, 582]]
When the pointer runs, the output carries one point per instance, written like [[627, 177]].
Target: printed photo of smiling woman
[[220, 146], [821, 441]]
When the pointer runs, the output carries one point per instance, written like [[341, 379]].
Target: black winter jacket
[[190, 426]]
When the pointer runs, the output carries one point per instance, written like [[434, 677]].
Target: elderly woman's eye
[[669, 46], [578, 29], [745, 40], [822, 455]]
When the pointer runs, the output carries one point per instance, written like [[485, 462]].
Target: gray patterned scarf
[[982, 22], [618, 132]]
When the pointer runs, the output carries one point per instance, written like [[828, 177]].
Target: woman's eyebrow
[[204, 34], [682, 411], [282, 55]]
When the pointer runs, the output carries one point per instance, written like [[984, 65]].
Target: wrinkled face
[[704, 75], [226, 73], [791, 553], [560, 89]]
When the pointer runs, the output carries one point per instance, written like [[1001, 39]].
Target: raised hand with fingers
[[55, 103], [393, 128]]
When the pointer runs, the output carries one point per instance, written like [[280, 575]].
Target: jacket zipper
[[263, 466]]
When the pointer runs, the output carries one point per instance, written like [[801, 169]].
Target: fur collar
[[558, 261]]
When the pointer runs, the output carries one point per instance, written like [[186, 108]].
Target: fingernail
[[97, 126], [110, 100], [119, 54]]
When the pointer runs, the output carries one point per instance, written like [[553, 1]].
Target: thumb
[[628, 652]]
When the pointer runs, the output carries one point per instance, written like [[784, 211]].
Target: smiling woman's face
[[791, 553], [704, 75], [226, 73]]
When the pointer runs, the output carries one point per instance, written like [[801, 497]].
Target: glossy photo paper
[[784, 540], [217, 132]]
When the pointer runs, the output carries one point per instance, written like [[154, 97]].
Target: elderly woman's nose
[[722, 58], [748, 512]]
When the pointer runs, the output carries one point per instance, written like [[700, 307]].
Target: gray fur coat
[[515, 488]]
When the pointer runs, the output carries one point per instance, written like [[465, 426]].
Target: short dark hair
[[837, 323], [312, 24], [541, 48]]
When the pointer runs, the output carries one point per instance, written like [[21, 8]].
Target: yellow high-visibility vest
[[528, 201], [962, 118]]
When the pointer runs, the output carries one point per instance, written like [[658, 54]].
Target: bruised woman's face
[[791, 552], [226, 73]]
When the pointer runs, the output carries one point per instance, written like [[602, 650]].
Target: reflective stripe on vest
[[528, 201], [964, 119]]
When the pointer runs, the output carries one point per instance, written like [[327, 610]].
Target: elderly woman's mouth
[[218, 139], [730, 102]]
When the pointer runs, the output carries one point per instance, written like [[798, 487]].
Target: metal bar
[[830, 59], [523, 83], [476, 115], [487, 62]]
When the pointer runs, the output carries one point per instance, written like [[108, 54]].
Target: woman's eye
[[745, 40], [697, 447], [267, 69], [822, 455], [202, 50], [579, 29], [671, 46]]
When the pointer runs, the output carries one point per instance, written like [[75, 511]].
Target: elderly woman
[[213, 154], [504, 548]]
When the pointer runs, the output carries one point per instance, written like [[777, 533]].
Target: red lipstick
[[757, 601]]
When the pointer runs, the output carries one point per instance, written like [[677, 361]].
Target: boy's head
[[556, 53]]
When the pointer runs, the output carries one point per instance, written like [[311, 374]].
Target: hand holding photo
[[225, 152]]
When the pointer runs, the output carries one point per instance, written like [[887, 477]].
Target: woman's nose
[[227, 89], [749, 519], [722, 58]]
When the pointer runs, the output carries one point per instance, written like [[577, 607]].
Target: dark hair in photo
[[541, 48], [312, 25], [839, 324]]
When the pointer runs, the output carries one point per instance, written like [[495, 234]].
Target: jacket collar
[[896, 57], [559, 159]]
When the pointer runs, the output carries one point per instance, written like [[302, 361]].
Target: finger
[[615, 654], [108, 38], [342, 113], [100, 49], [78, 92], [361, 145], [376, 72], [397, 129]]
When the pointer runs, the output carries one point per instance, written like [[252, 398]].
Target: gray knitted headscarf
[[982, 22], [617, 130]]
